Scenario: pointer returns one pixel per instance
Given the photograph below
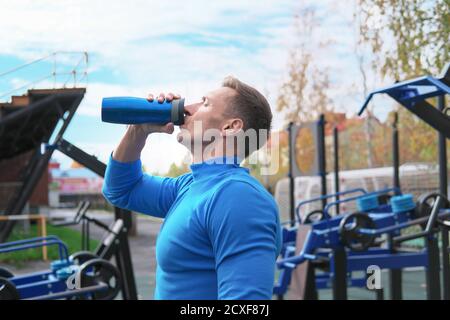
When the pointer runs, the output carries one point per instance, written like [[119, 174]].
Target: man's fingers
[[170, 96], [169, 128]]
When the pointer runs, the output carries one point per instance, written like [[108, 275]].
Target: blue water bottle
[[131, 110]]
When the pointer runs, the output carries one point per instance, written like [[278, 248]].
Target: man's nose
[[190, 109]]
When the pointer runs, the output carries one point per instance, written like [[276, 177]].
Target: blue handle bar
[[36, 243], [396, 227], [331, 204], [297, 209], [30, 240]]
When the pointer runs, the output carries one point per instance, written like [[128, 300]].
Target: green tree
[[175, 170], [407, 37]]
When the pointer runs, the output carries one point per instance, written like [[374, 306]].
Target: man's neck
[[198, 158]]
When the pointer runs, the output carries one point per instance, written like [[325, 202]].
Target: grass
[[72, 238]]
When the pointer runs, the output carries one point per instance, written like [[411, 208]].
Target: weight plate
[[5, 273], [349, 227], [99, 271], [8, 290], [313, 216], [426, 201], [81, 257]]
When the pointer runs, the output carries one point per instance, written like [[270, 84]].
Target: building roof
[[31, 119]]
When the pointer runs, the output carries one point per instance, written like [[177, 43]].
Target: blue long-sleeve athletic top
[[221, 232]]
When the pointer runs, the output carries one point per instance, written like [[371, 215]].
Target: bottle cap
[[177, 114]]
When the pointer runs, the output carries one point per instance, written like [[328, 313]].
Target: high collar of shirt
[[214, 166]]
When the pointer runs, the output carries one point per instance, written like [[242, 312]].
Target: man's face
[[209, 113]]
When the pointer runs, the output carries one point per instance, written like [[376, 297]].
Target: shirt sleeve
[[127, 187], [243, 228]]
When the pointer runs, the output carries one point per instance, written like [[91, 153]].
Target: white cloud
[[123, 36], [128, 39]]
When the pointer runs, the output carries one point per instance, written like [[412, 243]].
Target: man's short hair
[[251, 107]]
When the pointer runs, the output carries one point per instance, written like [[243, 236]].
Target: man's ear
[[232, 127]]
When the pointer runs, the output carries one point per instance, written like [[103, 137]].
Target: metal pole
[[31, 180], [433, 269], [339, 272], [443, 188], [336, 166], [443, 183], [83, 235], [88, 238], [395, 275], [395, 152], [322, 159], [291, 177], [445, 264], [123, 256]]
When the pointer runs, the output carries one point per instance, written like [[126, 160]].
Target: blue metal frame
[[45, 284], [407, 92], [381, 208], [325, 234], [35, 243], [322, 234], [320, 198]]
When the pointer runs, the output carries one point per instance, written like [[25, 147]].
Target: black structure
[[25, 129], [291, 177], [411, 94], [443, 181], [336, 167], [31, 127], [339, 271], [396, 153], [319, 129], [322, 159]]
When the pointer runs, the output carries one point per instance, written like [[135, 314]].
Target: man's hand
[[131, 145], [146, 129]]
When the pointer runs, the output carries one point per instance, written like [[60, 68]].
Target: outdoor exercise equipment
[[412, 94], [377, 200], [80, 217], [318, 215], [325, 242], [93, 279], [33, 285], [37, 130], [131, 110]]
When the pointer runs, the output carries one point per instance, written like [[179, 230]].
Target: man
[[221, 235]]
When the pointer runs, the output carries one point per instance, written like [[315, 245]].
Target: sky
[[138, 47]]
